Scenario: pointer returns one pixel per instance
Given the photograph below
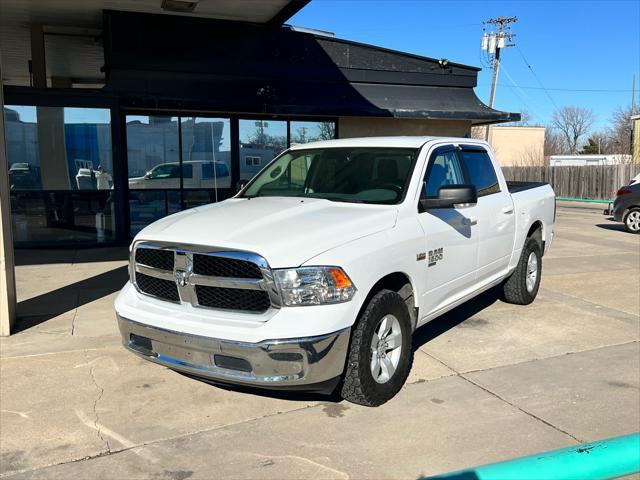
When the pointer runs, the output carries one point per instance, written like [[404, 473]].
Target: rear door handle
[[507, 210], [470, 221]]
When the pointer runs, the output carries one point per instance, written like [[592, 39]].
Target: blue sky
[[571, 45]]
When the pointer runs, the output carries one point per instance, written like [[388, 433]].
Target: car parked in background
[[24, 176], [626, 207], [195, 174]]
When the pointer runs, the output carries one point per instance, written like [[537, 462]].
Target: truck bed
[[515, 186]]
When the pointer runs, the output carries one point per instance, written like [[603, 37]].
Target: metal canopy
[[231, 67], [445, 103], [74, 46]]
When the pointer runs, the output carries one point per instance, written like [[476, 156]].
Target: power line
[[522, 96], [524, 59], [591, 90]]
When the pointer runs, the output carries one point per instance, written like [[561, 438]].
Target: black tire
[[359, 385], [631, 226], [515, 289]]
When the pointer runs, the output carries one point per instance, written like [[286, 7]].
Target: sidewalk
[[490, 381]]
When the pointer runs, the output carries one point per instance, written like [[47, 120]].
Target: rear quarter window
[[480, 171]]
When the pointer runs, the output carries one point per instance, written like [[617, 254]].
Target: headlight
[[314, 285]]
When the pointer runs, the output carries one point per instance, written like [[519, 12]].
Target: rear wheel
[[632, 220], [522, 286], [380, 354]]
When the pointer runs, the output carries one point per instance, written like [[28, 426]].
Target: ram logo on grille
[[182, 277]]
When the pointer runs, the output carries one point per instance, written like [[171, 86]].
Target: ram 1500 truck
[[316, 274]]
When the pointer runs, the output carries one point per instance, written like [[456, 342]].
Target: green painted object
[[605, 459], [586, 200]]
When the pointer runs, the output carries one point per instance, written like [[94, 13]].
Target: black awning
[[445, 103], [234, 67]]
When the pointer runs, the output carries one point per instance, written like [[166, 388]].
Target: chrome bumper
[[271, 363]]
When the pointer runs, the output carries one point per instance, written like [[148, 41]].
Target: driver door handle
[[470, 221], [508, 209]]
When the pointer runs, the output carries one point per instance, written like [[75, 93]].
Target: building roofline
[[394, 52], [528, 127], [288, 11]]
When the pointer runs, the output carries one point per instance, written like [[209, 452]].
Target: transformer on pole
[[493, 43]]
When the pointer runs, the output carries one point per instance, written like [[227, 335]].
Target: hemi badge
[[421, 256]]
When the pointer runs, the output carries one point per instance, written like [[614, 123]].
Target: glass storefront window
[[153, 167], [305, 132], [152, 152], [60, 173], [206, 152], [61, 170], [147, 206], [260, 142]]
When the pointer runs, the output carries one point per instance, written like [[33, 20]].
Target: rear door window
[[480, 171]]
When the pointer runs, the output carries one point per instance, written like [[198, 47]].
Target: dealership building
[[119, 112]]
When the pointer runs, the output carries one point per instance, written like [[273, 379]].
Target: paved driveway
[[490, 381]]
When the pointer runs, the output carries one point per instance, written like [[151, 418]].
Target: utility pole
[[633, 95], [493, 43]]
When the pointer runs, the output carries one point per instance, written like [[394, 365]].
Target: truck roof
[[397, 142]]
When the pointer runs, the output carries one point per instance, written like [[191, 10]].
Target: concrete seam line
[[521, 409], [577, 352], [583, 304], [125, 442], [154, 442], [320, 466], [49, 353], [440, 361]]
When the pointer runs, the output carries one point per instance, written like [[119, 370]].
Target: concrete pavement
[[490, 381]]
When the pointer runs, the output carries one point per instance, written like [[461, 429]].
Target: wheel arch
[[536, 231], [401, 283]]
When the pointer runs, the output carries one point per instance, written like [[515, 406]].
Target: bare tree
[[599, 143], [573, 123], [554, 144], [531, 157], [525, 119], [478, 132], [326, 131], [621, 130]]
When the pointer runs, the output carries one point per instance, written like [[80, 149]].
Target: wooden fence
[[593, 182]]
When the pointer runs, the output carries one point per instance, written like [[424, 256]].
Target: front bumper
[[289, 363]]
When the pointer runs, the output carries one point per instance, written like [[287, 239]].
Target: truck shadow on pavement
[[44, 307], [421, 336], [452, 318]]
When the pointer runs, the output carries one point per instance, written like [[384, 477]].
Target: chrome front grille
[[204, 277], [225, 267]]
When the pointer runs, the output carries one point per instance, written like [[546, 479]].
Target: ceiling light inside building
[[183, 6]]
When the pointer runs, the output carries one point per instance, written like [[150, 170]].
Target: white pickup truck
[[315, 275]]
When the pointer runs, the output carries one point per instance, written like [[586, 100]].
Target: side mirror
[[241, 184], [450, 196]]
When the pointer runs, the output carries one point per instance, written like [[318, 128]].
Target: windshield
[[361, 175]]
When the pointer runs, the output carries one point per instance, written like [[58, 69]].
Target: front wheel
[[380, 354], [522, 286], [632, 220]]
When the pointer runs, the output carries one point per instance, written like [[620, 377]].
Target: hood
[[286, 231]]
